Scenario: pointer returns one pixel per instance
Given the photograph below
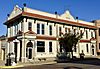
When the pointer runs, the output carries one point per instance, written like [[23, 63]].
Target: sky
[[87, 10]]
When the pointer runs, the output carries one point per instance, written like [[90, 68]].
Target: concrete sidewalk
[[28, 64], [36, 63], [2, 63]]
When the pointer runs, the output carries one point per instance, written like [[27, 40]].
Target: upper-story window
[[65, 30], [50, 29], [80, 31], [74, 31], [38, 28], [91, 34], [59, 31], [29, 26], [42, 28], [86, 34], [69, 30], [99, 31], [16, 29]]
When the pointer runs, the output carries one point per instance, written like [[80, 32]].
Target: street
[[85, 64]]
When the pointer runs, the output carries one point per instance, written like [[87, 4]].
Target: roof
[[32, 15], [30, 32]]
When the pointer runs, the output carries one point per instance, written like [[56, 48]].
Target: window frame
[[50, 46], [99, 31], [38, 28], [42, 28], [87, 48], [29, 25], [50, 29], [41, 48]]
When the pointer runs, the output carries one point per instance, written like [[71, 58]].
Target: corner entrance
[[29, 49]]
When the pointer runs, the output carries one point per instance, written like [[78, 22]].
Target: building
[[33, 35], [97, 24], [3, 44]]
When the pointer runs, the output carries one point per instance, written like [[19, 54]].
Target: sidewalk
[[2, 63], [36, 63], [28, 64]]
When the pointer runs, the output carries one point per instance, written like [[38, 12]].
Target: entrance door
[[30, 53], [92, 51], [29, 50], [3, 54]]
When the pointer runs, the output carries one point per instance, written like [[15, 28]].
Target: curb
[[24, 65], [11, 66]]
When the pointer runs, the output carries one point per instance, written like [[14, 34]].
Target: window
[[50, 30], [29, 26], [59, 31], [26, 52], [38, 28], [69, 30], [86, 34], [80, 31], [50, 46], [99, 45], [91, 34], [87, 47], [40, 46], [99, 31], [75, 49], [74, 31], [65, 30], [42, 28], [21, 26], [61, 47], [15, 30]]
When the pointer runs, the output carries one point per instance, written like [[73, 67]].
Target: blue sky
[[85, 9]]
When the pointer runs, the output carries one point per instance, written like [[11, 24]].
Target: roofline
[[12, 19], [50, 19]]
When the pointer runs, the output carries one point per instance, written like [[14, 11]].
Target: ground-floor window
[[75, 49], [87, 48], [50, 46], [40, 46], [92, 50], [99, 45], [61, 47]]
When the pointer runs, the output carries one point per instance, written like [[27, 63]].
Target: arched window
[[30, 44]]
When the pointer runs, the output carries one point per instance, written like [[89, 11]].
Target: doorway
[[93, 50], [30, 53], [29, 50]]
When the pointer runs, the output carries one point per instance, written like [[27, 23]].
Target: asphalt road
[[85, 64]]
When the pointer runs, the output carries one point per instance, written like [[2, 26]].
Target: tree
[[69, 41]]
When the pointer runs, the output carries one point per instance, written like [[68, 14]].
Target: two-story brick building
[[34, 34]]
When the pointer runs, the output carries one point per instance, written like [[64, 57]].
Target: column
[[8, 48], [23, 50], [18, 51]]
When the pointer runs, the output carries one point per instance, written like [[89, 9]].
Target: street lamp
[[15, 49]]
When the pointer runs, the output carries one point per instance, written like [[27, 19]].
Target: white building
[[37, 33], [3, 44]]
